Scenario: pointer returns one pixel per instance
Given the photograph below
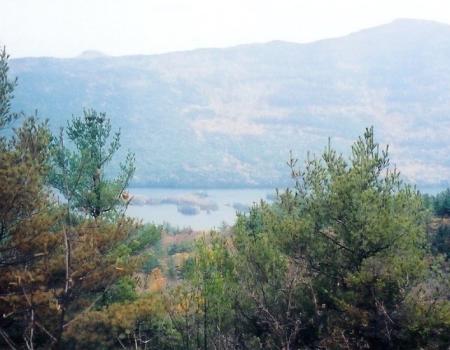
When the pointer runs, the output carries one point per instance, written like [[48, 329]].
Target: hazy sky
[[67, 27]]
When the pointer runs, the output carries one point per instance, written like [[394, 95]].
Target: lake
[[198, 209]]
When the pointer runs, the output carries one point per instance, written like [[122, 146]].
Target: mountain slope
[[228, 117]]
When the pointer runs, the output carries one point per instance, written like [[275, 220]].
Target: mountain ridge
[[228, 117]]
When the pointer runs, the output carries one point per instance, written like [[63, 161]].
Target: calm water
[[200, 210]]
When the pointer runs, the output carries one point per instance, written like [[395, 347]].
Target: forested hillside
[[225, 117], [348, 257]]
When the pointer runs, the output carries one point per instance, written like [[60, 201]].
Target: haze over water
[[226, 203]]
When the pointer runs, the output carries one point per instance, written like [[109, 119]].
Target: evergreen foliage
[[341, 260], [441, 240], [79, 173], [55, 265], [6, 92], [441, 203]]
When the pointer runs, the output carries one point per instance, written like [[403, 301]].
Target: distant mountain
[[228, 117], [89, 54]]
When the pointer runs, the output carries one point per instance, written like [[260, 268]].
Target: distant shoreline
[[425, 189]]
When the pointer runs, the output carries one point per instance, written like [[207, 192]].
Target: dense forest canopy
[[349, 257]]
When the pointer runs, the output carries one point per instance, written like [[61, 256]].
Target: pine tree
[[6, 92], [79, 169], [339, 261], [27, 218], [55, 264]]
